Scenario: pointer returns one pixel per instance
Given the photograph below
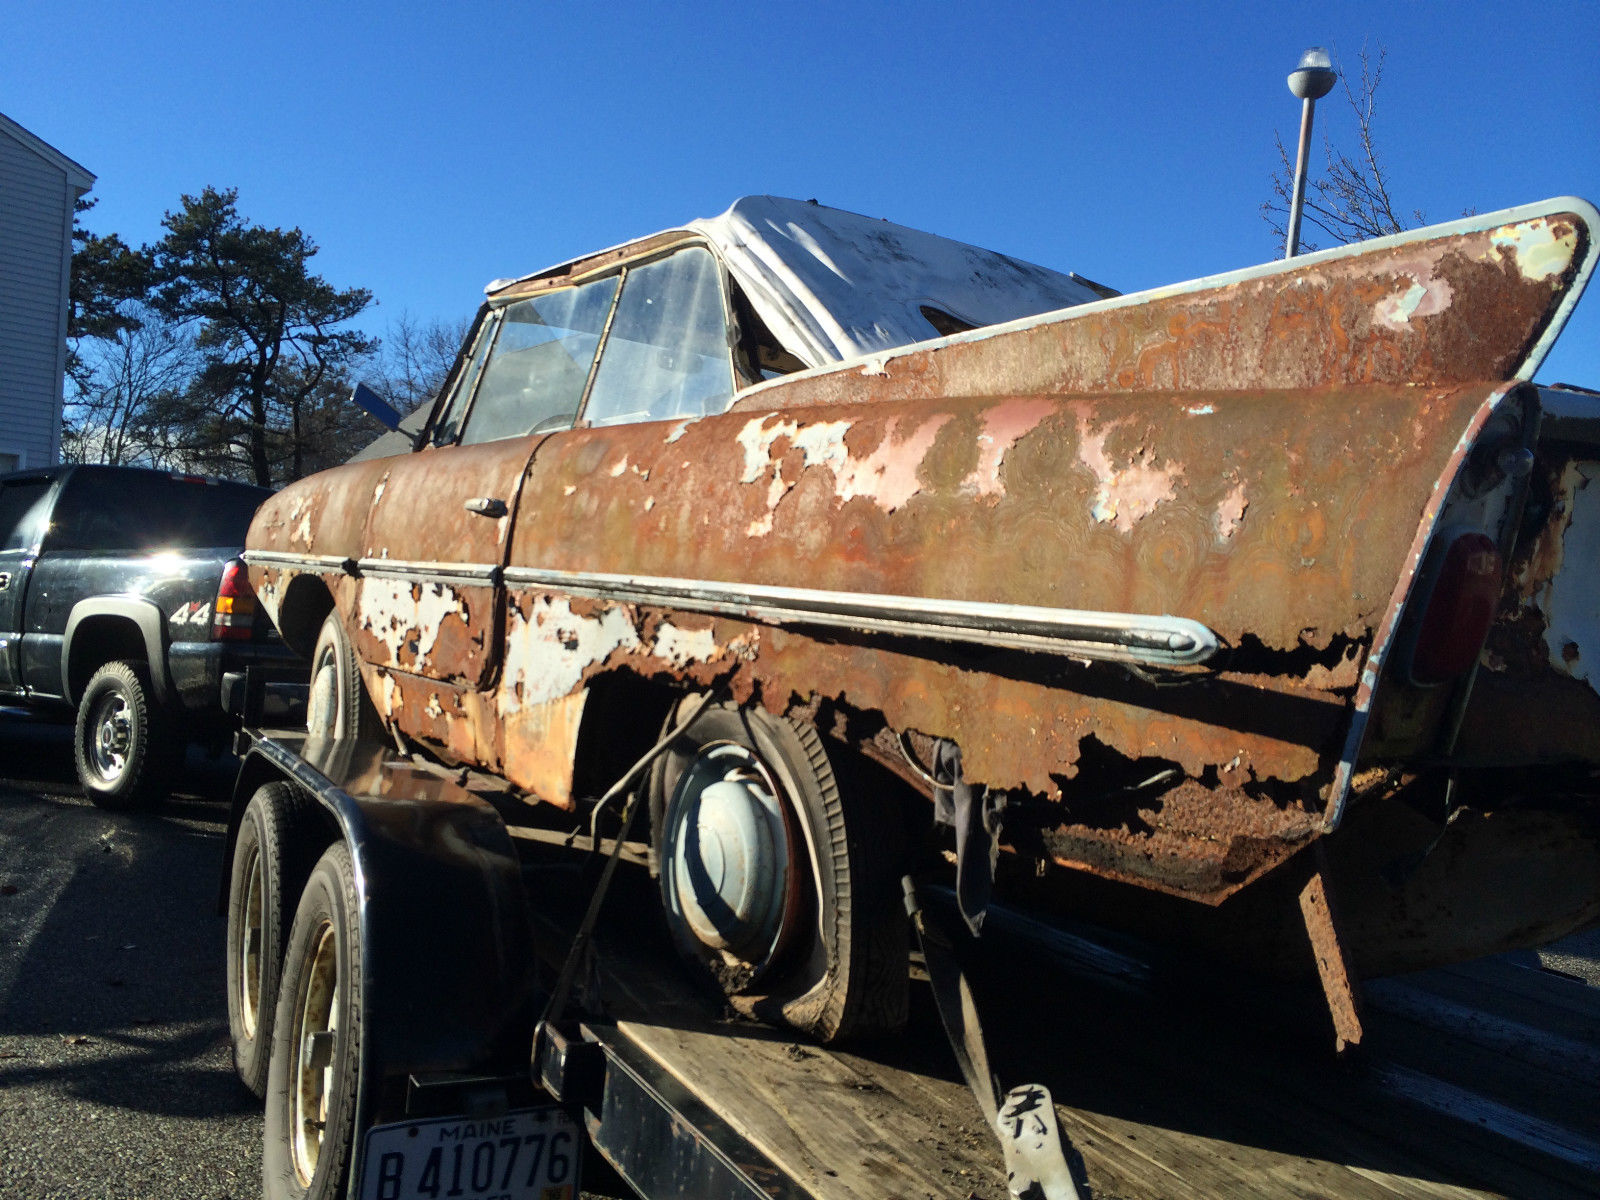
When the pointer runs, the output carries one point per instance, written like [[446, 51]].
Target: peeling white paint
[[1571, 610], [391, 611], [433, 708], [1230, 513], [677, 431], [1423, 294], [887, 476], [649, 503], [569, 489], [681, 647], [548, 651], [300, 518], [622, 466], [1126, 494], [1200, 410], [1536, 249], [1003, 427]]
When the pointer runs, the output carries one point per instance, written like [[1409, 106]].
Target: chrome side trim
[[453, 574], [1156, 641], [1116, 637], [304, 562]]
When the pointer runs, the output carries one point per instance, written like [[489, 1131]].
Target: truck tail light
[[236, 605], [1465, 596]]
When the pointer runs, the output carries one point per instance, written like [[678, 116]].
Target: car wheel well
[[306, 604], [622, 718], [97, 641]]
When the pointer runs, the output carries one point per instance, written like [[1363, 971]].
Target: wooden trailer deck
[[1479, 1081]]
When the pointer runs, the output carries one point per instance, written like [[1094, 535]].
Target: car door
[[437, 537], [667, 360], [24, 503]]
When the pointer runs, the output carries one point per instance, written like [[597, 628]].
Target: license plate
[[529, 1154]]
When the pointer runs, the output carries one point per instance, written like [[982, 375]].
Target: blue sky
[[431, 147]]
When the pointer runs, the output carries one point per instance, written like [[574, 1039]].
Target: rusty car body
[[1194, 578]]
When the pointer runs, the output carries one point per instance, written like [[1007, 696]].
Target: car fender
[[145, 617]]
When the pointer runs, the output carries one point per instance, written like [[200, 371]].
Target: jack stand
[[1339, 984]]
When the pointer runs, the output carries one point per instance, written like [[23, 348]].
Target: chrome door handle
[[487, 506]]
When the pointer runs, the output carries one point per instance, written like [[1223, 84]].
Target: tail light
[[236, 605], [1466, 594]]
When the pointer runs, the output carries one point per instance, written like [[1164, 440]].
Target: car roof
[[834, 285]]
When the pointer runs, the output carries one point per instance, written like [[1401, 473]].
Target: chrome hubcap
[[113, 737], [730, 857], [322, 709], [318, 1025]]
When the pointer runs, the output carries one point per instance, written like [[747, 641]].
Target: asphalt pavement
[[116, 1076]]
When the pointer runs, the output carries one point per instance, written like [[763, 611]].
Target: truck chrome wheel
[[126, 743], [112, 725], [732, 860], [312, 1082]]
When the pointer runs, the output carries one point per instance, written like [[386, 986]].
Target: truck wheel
[[126, 744], [775, 883], [260, 910], [338, 705], [316, 1041]]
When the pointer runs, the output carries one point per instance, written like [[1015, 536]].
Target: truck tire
[[269, 860], [316, 1041], [776, 884], [126, 744], [338, 705]]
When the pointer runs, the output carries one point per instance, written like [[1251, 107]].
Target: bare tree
[[415, 358], [1350, 201], [119, 379]]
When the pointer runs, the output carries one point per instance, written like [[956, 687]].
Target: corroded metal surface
[[1448, 310], [1266, 457]]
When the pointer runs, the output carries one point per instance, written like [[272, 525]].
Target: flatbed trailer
[[1168, 1082]]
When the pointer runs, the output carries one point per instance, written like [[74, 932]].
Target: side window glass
[[535, 374], [21, 510], [667, 354], [449, 426]]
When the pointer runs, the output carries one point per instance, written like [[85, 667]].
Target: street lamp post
[[1311, 80]]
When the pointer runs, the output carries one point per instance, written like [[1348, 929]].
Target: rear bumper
[[198, 671]]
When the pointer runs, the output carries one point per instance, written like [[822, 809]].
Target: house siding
[[36, 198]]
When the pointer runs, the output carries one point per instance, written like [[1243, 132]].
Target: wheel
[[338, 705], [774, 882], [267, 865], [316, 1041], [126, 744]]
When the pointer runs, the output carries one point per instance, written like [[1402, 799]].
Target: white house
[[38, 185]]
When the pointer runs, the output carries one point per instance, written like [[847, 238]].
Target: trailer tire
[[338, 705], [775, 883], [316, 1041], [126, 744], [268, 863]]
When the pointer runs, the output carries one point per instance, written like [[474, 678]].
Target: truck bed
[[1475, 1081]]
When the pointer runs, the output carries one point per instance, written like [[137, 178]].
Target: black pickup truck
[[121, 595]]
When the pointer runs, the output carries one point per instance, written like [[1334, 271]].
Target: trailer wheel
[[261, 900], [126, 743], [338, 705], [774, 882], [316, 1040]]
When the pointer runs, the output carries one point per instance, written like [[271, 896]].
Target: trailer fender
[[448, 981]]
